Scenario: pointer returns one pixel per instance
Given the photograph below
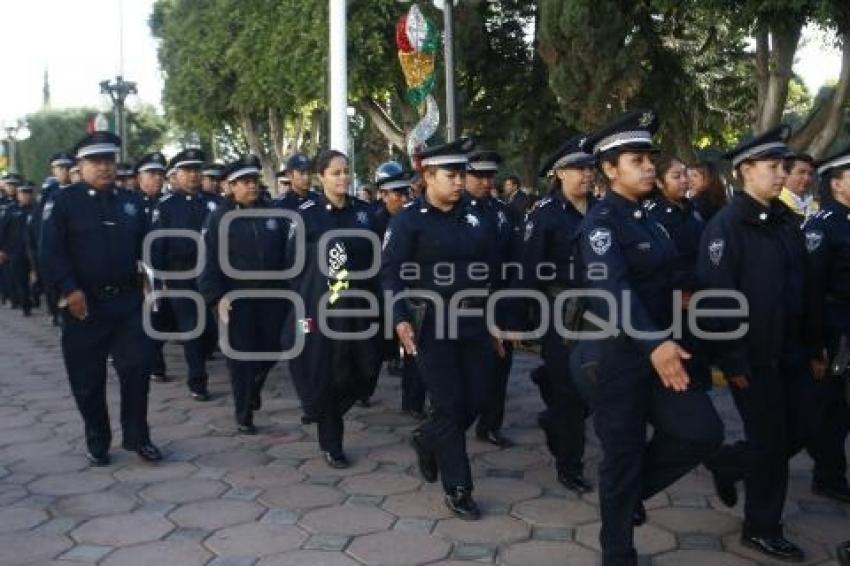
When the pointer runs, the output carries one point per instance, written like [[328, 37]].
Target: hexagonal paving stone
[[700, 558], [821, 527], [31, 547], [517, 458], [398, 547], [379, 484], [94, 504], [146, 473], [346, 520], [684, 520], [264, 476], [215, 513], [255, 539], [649, 539], [427, 503], [504, 490], [401, 454], [317, 467], [302, 449], [545, 553], [125, 529], [814, 552], [301, 496], [555, 512], [51, 464], [159, 552], [26, 450], [20, 518], [184, 490], [11, 493], [25, 434], [203, 445], [233, 459], [308, 558], [71, 484], [490, 530]]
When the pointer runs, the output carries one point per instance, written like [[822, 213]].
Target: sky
[[38, 34]]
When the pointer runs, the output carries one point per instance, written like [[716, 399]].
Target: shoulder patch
[[600, 240], [306, 204], [715, 250], [814, 238], [48, 209]]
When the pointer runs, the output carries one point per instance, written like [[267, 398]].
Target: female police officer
[[255, 243], [549, 238], [330, 375], [430, 249], [640, 378]]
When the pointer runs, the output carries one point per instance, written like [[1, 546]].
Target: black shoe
[[726, 491], [159, 378], [843, 553], [99, 459], [777, 547], [148, 452], [840, 493], [639, 516], [201, 396], [336, 461], [575, 481], [425, 458], [460, 503], [495, 438], [246, 429]]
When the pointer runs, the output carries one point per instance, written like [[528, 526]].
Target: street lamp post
[[118, 91], [16, 130]]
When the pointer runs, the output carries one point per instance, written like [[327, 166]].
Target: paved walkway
[[270, 500]]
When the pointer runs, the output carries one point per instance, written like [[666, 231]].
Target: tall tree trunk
[[249, 127], [785, 38], [393, 133], [834, 109], [276, 133]]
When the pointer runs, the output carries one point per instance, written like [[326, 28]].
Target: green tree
[[52, 131]]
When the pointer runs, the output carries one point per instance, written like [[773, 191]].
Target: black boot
[[460, 502]]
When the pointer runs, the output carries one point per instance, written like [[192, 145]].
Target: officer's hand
[[224, 310], [406, 337], [499, 347], [77, 306], [686, 299], [3, 258], [819, 366], [738, 381], [667, 361]]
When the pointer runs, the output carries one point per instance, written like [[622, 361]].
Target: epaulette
[[306, 204], [541, 203], [650, 204], [164, 198], [408, 204]]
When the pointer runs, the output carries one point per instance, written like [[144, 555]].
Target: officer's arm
[[607, 270], [211, 283], [818, 259], [54, 256], [397, 249], [159, 246], [718, 266]]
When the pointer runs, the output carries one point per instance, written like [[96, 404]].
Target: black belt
[[111, 291]]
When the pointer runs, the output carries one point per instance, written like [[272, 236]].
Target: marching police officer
[[186, 208], [828, 244], [393, 184], [330, 375], [550, 238], [150, 174], [211, 175], [7, 289], [636, 366], [17, 241], [125, 177], [298, 169], [252, 324], [754, 246], [92, 236], [481, 170], [439, 229]]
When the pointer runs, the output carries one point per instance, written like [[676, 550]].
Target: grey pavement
[[223, 499]]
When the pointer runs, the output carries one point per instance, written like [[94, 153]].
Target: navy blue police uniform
[[685, 224], [291, 199], [92, 243], [827, 237], [330, 375], [420, 241], [630, 259], [756, 248], [186, 210], [60, 159], [499, 221], [7, 202], [550, 265], [16, 242], [254, 243]]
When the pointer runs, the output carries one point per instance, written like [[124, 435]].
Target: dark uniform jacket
[[179, 210]]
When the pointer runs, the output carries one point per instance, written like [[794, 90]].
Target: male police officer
[[16, 246], [91, 243], [186, 208], [211, 175], [298, 169]]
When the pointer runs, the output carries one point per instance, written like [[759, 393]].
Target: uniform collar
[[424, 206], [754, 212], [838, 209], [624, 205]]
